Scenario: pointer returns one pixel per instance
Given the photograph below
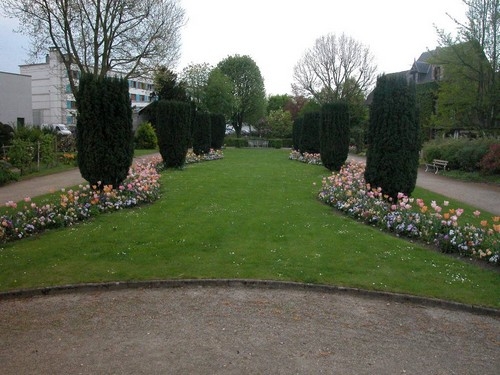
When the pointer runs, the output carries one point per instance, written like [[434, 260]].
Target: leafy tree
[[280, 123], [98, 36], [325, 70], [145, 137], [195, 77], [218, 126], [173, 130], [219, 96], [275, 102], [471, 63], [334, 135], [201, 133], [393, 137], [105, 141], [309, 140], [248, 90], [294, 105]]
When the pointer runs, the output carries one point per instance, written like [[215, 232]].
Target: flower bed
[[305, 157], [141, 186], [409, 217], [191, 157]]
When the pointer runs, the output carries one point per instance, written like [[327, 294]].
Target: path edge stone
[[251, 284]]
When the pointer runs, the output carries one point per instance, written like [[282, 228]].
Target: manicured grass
[[253, 214]]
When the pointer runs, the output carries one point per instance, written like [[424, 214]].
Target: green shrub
[[47, 149], [218, 127], [236, 142], [105, 141], [145, 137], [462, 154], [201, 133], [310, 133], [297, 133], [21, 154], [6, 173], [173, 130], [334, 135], [275, 143]]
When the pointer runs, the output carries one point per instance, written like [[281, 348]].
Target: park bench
[[257, 143], [436, 165]]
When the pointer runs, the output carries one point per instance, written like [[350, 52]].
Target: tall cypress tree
[[218, 126], [173, 130], [297, 133], [393, 137], [310, 133], [334, 135], [201, 133], [105, 140]]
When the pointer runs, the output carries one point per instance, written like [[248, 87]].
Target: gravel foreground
[[237, 330]]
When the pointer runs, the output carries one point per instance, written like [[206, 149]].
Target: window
[[70, 104], [68, 89], [69, 120]]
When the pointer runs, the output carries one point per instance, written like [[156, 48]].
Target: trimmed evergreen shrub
[[173, 131], [236, 142], [297, 133], [334, 135], [201, 133], [275, 143], [310, 133], [105, 141], [145, 137], [393, 137], [218, 126]]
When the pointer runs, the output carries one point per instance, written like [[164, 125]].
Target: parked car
[[60, 129]]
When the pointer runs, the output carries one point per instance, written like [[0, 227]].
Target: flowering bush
[[305, 157], [348, 192], [141, 186]]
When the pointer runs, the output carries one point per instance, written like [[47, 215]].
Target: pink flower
[[476, 213], [27, 199]]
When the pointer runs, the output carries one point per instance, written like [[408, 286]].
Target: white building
[[15, 99], [53, 102]]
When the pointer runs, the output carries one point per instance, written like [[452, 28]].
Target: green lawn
[[253, 214]]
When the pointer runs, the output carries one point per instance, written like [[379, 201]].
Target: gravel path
[[238, 330]]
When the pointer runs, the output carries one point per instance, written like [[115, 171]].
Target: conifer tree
[[393, 137], [218, 126], [310, 133], [173, 130], [201, 133], [105, 140], [334, 135]]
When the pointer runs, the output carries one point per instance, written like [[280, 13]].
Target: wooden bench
[[436, 165]]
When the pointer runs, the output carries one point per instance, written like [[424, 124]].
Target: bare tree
[[96, 36], [334, 67]]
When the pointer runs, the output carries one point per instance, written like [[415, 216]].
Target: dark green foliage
[[7, 173], [310, 133], [173, 123], [21, 154], [6, 134], [105, 141], [236, 142], [463, 154], [334, 135], [393, 137], [145, 137], [218, 126], [275, 143], [202, 132], [297, 133]]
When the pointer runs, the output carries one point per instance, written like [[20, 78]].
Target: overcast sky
[[276, 33]]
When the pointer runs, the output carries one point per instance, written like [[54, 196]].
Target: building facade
[[52, 99], [15, 99]]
